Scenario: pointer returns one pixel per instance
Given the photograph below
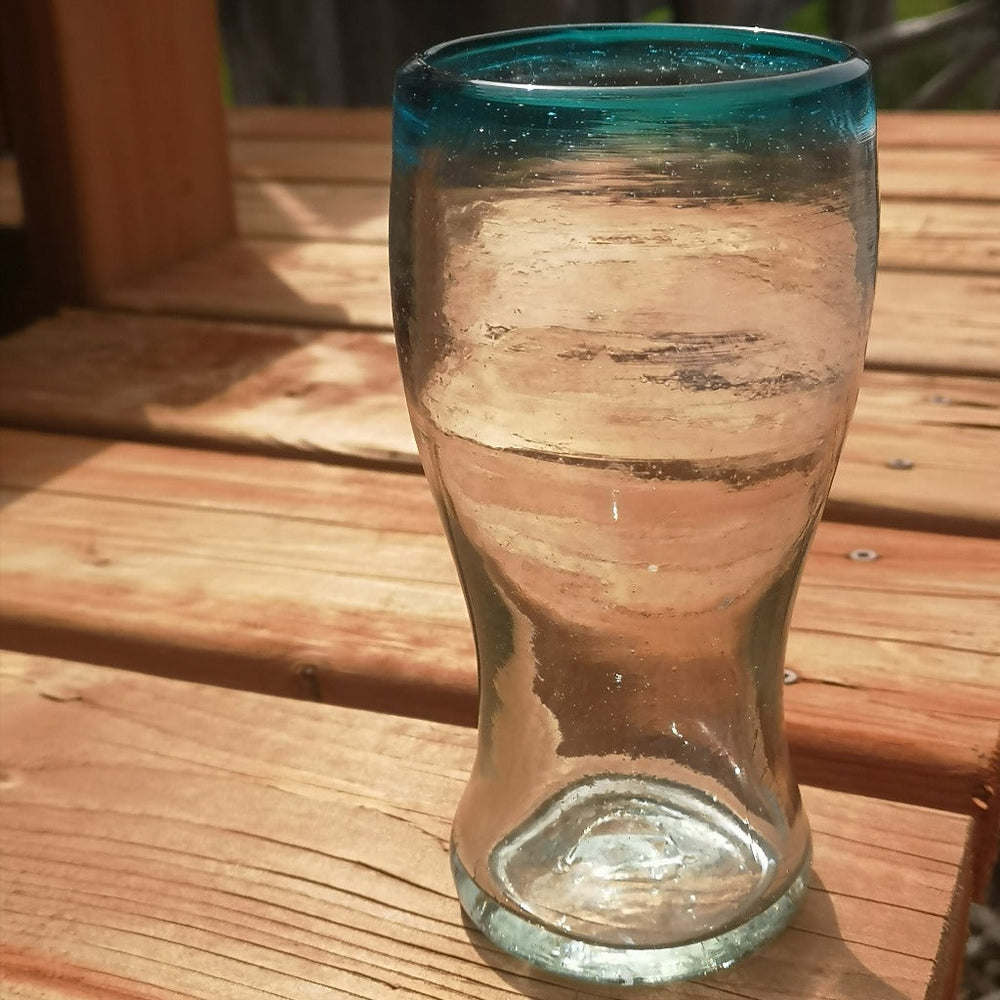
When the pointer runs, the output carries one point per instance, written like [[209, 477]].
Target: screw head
[[863, 555]]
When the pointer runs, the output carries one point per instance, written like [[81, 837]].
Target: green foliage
[[899, 77], [810, 19]]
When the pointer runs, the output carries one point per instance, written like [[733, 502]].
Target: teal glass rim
[[756, 64]]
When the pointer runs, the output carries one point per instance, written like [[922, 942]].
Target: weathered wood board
[[923, 321], [958, 174], [11, 203], [921, 129], [116, 116], [337, 396], [310, 159], [132, 804], [335, 583], [917, 171], [284, 281], [946, 236], [325, 394], [164, 839], [373, 124], [914, 129], [914, 455]]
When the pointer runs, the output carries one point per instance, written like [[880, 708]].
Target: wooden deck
[[180, 840], [209, 476]]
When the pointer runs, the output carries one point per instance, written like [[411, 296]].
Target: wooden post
[[116, 117]]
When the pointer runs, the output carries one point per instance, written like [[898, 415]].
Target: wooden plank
[[343, 161], [926, 598], [285, 210], [932, 235], [336, 395], [915, 455], [922, 321], [165, 839], [11, 205], [116, 117], [272, 207], [277, 390], [946, 323], [939, 129], [321, 572], [350, 145], [942, 235], [271, 575], [283, 281], [965, 174], [278, 123], [971, 174], [962, 237], [948, 129]]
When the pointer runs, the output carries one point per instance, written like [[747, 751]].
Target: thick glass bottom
[[629, 880]]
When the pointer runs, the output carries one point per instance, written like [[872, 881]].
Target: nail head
[[900, 463], [863, 555]]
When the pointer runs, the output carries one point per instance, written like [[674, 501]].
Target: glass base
[[629, 880]]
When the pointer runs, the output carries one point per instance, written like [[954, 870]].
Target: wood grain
[[914, 455], [337, 395], [271, 575], [171, 840], [118, 126], [283, 281], [964, 173], [166, 840], [927, 322], [277, 147], [916, 234], [922, 321], [945, 236], [939, 130], [283, 576], [311, 159], [912, 129], [11, 203], [276, 123], [286, 210], [960, 174], [328, 395]]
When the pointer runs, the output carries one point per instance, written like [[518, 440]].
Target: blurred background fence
[[927, 53]]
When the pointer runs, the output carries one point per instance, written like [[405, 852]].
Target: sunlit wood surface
[[209, 476]]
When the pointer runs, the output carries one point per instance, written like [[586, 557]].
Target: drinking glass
[[632, 270]]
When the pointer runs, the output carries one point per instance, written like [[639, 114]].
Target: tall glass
[[632, 272]]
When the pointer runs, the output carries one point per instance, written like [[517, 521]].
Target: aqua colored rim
[[466, 62]]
